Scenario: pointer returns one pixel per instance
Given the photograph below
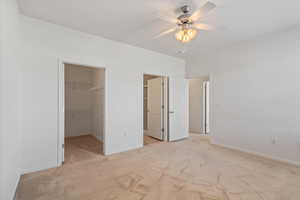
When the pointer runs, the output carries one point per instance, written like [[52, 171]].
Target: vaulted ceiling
[[137, 22]]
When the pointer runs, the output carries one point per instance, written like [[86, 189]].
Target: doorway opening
[[155, 108], [84, 112], [199, 105]]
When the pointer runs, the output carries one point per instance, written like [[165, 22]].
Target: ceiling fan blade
[[166, 32], [167, 17], [205, 27], [164, 10], [203, 11]]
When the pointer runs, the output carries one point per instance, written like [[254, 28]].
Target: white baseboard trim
[[295, 163], [123, 150], [196, 132], [179, 139], [97, 138]]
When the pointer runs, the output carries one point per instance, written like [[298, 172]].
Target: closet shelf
[[95, 88]]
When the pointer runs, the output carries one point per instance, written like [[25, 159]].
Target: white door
[[155, 108], [178, 109]]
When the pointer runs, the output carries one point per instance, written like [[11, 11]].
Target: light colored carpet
[[150, 140], [81, 148], [190, 169]]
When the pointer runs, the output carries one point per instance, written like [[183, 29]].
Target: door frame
[[61, 107], [206, 104], [166, 132]]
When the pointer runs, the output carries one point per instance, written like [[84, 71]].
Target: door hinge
[[63, 146], [163, 130], [162, 106]]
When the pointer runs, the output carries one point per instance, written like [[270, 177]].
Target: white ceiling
[[136, 22]]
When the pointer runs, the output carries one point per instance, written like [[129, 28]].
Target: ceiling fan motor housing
[[185, 9], [185, 17]]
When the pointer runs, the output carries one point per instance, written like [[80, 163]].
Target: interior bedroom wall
[[78, 100], [10, 137], [124, 64], [255, 97]]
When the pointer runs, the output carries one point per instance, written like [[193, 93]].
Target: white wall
[[124, 65], [255, 89], [39, 111], [196, 105], [9, 126]]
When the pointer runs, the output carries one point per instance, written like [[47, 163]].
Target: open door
[[155, 108]]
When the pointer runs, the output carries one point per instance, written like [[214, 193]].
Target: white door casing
[[171, 108], [206, 107]]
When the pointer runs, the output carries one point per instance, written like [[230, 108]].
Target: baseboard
[[78, 136], [262, 155], [96, 137], [196, 132], [180, 139], [123, 150]]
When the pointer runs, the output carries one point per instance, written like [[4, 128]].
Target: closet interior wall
[[84, 101]]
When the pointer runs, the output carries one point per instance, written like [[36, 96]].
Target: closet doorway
[[199, 105], [84, 112], [155, 108]]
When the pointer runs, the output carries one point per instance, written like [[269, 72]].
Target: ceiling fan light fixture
[[187, 24], [192, 33], [186, 34]]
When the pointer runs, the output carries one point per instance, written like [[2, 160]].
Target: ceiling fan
[[186, 23]]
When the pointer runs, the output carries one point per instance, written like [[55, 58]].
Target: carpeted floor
[[150, 140], [190, 169], [81, 148]]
